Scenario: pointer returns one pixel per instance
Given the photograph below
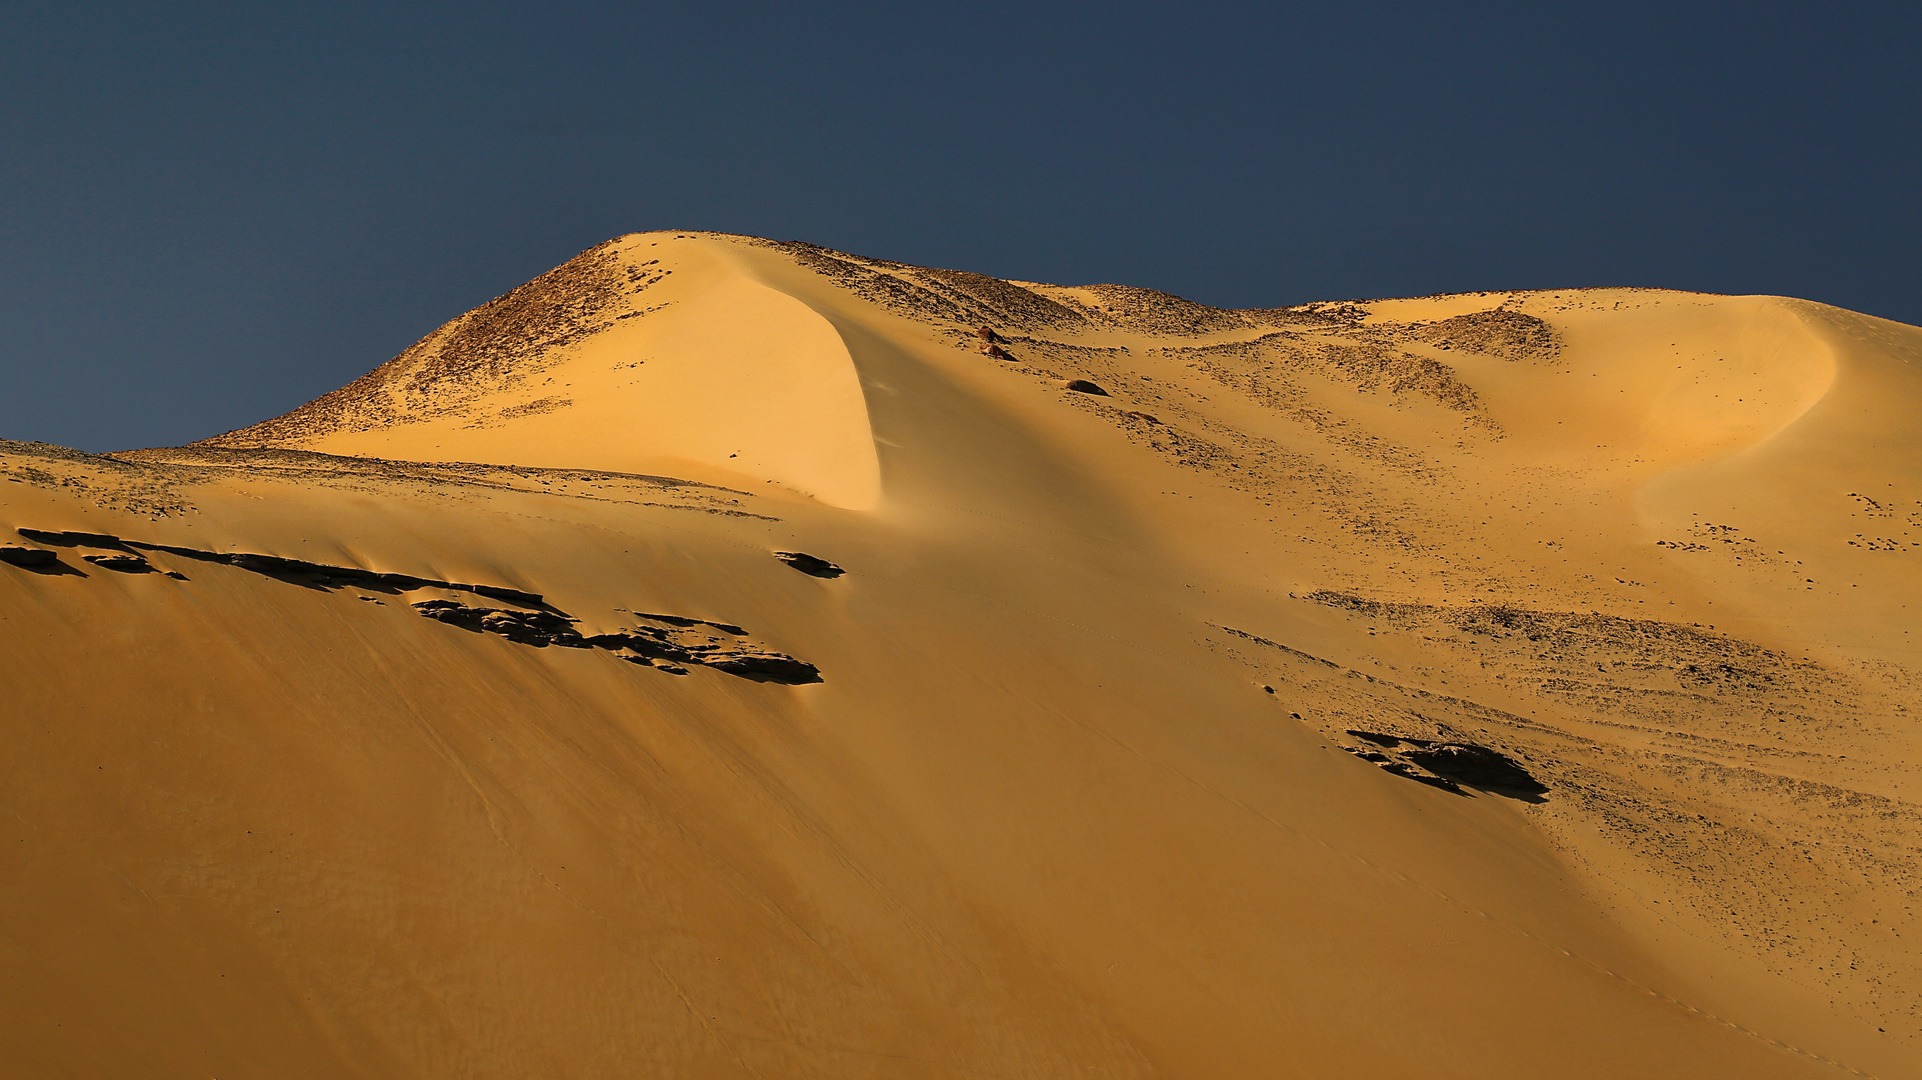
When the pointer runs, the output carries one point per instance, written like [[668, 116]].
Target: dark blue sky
[[211, 213]]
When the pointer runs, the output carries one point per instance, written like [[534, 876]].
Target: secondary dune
[[721, 657]]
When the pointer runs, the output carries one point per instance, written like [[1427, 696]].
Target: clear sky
[[212, 213]]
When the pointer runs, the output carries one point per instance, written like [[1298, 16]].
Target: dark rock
[[38, 561], [512, 596], [809, 564], [451, 613], [1146, 417], [1477, 766], [73, 539], [26, 556], [126, 564], [274, 564], [766, 667], [537, 628], [321, 576], [1510, 335], [667, 648], [682, 640], [651, 643], [1083, 386]]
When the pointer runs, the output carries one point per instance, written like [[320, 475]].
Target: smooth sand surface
[[1507, 684]]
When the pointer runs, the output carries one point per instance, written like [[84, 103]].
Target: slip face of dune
[[618, 363], [722, 657]]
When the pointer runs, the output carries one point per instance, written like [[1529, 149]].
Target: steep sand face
[[694, 369], [1418, 687]]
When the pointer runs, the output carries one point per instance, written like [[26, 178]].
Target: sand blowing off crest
[[1507, 684]]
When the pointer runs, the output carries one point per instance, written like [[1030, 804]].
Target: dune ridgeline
[[728, 658]]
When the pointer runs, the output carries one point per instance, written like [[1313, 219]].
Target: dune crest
[[736, 658], [619, 363]]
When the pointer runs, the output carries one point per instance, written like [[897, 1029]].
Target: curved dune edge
[[1808, 530], [1773, 357], [1377, 689], [706, 373]]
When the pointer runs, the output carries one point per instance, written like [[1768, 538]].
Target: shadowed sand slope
[[729, 658]]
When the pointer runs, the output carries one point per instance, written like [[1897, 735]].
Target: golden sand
[[1504, 684]]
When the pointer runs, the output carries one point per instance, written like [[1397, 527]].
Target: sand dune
[[720, 658]]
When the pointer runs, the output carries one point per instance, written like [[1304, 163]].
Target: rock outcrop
[[811, 565], [663, 641]]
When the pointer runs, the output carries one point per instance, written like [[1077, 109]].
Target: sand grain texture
[[1506, 684]]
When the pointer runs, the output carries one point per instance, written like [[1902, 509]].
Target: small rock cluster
[[682, 642], [1447, 765]]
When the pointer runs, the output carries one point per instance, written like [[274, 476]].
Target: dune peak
[[730, 657]]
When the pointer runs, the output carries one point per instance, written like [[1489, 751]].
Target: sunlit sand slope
[[722, 658], [617, 361]]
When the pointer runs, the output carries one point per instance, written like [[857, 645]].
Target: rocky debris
[[1510, 335], [1148, 310], [322, 576], [126, 564], [335, 471], [1142, 416], [659, 646], [500, 345], [1667, 655], [675, 640], [27, 557], [810, 565], [1446, 765], [537, 628], [682, 642], [959, 297], [73, 539], [647, 642], [293, 571], [987, 334], [1477, 766], [996, 352], [1083, 386], [954, 296], [765, 666]]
